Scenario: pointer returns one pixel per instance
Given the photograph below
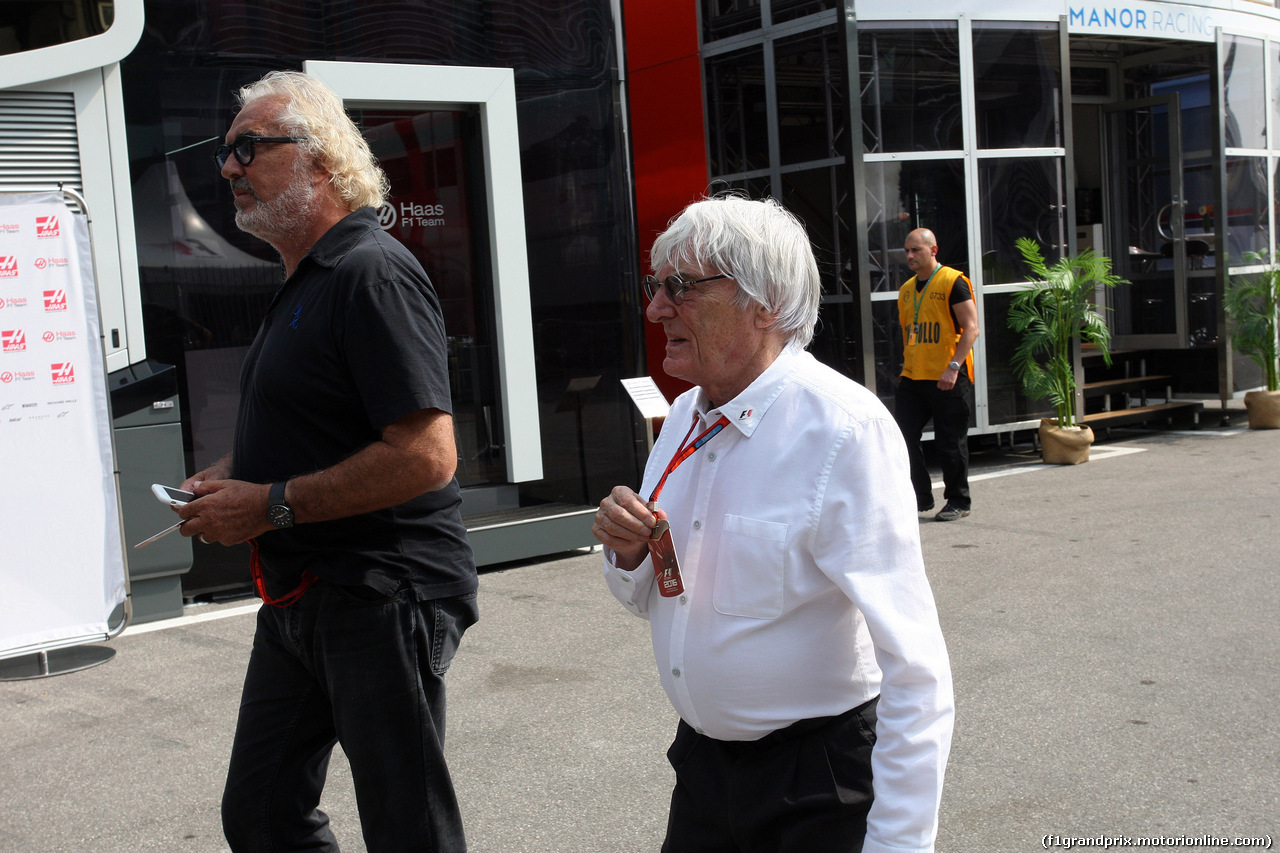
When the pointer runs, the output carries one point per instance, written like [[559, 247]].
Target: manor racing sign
[[1163, 20]]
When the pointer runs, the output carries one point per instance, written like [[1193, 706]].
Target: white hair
[[761, 244], [312, 110]]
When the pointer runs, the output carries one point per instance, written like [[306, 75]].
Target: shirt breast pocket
[[750, 568]]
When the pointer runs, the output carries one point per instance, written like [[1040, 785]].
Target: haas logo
[[63, 373], [55, 300], [47, 226], [8, 266], [13, 340]]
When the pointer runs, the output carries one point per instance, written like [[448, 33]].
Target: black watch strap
[[279, 513]]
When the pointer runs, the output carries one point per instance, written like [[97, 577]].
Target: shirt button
[[626, 579], [684, 599], [697, 525], [676, 672], [711, 457]]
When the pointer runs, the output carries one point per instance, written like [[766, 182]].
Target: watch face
[[280, 516]]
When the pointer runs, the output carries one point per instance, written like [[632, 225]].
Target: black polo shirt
[[353, 341]]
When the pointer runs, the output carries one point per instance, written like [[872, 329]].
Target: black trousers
[[802, 789], [347, 665], [917, 402]]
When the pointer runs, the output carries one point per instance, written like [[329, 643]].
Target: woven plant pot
[[1059, 446], [1264, 409]]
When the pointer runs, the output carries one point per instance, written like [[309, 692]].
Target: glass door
[[1146, 221], [436, 210]]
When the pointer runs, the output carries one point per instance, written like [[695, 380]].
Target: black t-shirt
[[353, 341]]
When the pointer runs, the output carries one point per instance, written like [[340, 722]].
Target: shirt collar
[[746, 410], [342, 237]]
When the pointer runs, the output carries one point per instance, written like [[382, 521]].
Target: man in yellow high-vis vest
[[939, 319]]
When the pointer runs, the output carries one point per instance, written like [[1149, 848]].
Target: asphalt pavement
[[1114, 629]]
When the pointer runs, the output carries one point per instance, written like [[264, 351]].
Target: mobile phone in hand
[[171, 496]]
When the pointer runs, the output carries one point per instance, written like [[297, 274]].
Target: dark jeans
[[802, 789], [350, 666], [918, 401]]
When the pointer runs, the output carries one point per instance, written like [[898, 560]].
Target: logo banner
[[61, 564]]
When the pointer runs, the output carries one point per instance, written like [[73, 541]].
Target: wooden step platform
[[1130, 383], [1144, 414]]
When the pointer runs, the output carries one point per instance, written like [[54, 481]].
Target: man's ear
[[764, 318], [320, 175]]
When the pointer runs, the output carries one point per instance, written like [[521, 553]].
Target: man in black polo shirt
[[342, 478]]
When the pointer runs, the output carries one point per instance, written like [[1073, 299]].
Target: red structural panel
[[667, 133]]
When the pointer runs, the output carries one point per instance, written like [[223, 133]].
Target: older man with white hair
[[775, 551]]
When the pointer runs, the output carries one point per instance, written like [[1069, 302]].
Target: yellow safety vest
[[935, 343]]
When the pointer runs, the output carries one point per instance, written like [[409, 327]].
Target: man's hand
[[226, 511], [624, 523], [219, 470], [948, 380]]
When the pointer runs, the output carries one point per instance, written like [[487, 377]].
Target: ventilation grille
[[39, 148]]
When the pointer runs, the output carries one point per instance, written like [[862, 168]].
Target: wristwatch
[[951, 365], [279, 513]]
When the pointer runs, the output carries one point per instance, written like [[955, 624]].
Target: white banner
[[61, 564]]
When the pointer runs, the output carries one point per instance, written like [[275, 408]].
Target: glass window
[[837, 335], [33, 24], [817, 197], [724, 18], [902, 196], [1090, 81], [887, 339], [754, 187], [737, 119], [1202, 311], [910, 82], [1005, 401], [812, 120], [1196, 122], [1275, 94], [1248, 209], [1017, 71], [789, 10], [1020, 197], [1244, 87]]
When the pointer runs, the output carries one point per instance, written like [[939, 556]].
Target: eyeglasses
[[675, 286], [242, 148]]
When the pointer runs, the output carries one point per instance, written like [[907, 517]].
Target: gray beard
[[268, 219]]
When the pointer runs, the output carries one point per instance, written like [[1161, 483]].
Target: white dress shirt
[[805, 593]]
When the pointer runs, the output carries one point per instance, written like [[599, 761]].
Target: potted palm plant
[[1253, 309], [1056, 311]]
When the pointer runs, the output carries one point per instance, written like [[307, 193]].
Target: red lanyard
[[255, 569], [686, 450]]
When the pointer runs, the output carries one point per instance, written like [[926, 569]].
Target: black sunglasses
[[675, 286], [242, 148]]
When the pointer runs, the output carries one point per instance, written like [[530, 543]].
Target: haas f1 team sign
[[61, 581]]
